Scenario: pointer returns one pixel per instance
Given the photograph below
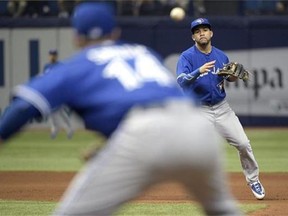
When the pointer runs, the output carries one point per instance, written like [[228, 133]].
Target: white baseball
[[177, 14]]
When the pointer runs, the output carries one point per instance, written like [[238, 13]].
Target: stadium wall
[[260, 43]]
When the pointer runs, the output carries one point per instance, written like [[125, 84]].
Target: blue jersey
[[101, 83], [208, 87]]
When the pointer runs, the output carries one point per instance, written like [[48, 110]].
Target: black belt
[[207, 104]]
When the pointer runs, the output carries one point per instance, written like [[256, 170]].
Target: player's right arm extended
[[184, 79], [16, 115]]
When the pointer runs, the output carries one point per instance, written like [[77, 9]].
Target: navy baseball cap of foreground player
[[93, 20], [200, 21]]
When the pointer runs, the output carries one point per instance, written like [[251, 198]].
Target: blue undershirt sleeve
[[15, 117]]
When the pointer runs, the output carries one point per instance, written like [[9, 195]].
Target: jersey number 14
[[145, 68]]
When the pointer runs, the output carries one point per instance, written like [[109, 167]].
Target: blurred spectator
[[223, 7], [194, 7], [125, 8], [139, 7], [168, 5], [16, 8], [22, 8], [198, 8], [282, 7], [38, 9], [66, 7], [147, 7], [264, 7]]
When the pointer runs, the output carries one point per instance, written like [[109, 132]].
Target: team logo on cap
[[200, 21]]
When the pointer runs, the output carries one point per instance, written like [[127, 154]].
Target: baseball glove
[[234, 69]]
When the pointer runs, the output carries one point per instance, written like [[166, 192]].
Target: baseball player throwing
[[197, 74], [124, 91]]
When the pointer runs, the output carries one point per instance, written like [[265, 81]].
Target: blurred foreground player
[[153, 132]]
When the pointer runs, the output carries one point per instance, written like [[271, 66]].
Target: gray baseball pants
[[152, 145], [227, 123]]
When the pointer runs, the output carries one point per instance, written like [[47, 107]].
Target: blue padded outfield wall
[[260, 43]]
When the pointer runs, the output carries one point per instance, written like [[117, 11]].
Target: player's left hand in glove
[[234, 69]]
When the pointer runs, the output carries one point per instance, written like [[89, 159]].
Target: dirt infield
[[49, 186]]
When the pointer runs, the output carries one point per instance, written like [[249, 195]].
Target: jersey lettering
[[132, 76]]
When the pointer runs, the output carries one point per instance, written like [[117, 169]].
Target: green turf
[[270, 150], [169, 209], [26, 208], [32, 208], [35, 151], [183, 209]]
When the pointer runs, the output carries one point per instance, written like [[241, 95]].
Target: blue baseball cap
[[93, 20], [53, 52], [198, 22]]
